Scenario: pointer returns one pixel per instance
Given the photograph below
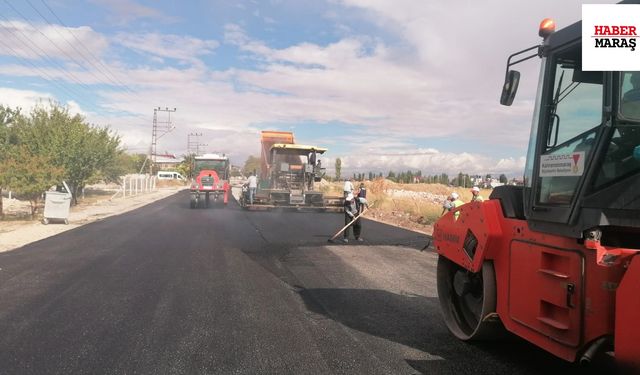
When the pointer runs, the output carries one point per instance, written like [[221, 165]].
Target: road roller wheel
[[468, 301]]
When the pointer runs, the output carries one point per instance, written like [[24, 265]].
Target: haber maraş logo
[[609, 33], [615, 36]]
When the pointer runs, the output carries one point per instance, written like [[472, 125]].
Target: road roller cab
[[555, 261]]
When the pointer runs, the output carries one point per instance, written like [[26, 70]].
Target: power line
[[106, 68], [38, 51], [106, 72], [54, 76], [68, 89], [51, 79], [42, 53], [83, 57], [70, 45], [49, 39], [56, 45]]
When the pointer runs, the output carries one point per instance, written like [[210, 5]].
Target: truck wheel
[[468, 301], [194, 201]]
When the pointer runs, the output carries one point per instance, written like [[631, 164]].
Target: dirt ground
[[400, 219], [17, 232]]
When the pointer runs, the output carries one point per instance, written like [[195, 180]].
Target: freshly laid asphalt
[[166, 289]]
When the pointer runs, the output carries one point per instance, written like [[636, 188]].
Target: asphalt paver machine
[[289, 176]]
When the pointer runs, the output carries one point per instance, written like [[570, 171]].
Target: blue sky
[[385, 85]]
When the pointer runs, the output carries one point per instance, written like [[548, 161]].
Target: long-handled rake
[[347, 226]]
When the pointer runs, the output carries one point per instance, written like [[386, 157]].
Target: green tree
[[8, 117], [252, 164], [186, 165], [137, 163], [122, 164], [234, 171], [391, 176], [444, 179], [29, 175], [338, 168], [467, 181], [86, 153], [409, 177], [460, 179], [402, 177], [503, 179]]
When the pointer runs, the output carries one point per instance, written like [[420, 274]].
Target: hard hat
[[475, 188], [349, 196], [455, 195]]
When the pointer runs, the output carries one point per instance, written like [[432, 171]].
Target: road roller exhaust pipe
[[593, 350]]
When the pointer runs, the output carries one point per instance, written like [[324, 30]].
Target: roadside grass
[[418, 210]]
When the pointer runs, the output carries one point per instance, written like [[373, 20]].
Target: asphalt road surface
[[170, 290]]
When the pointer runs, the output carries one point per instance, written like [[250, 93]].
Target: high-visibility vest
[[457, 203]]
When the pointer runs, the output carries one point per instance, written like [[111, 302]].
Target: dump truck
[[288, 176], [211, 180], [556, 261]]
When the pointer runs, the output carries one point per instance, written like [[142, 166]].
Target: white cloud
[[25, 99], [168, 46], [432, 162], [126, 11], [74, 107]]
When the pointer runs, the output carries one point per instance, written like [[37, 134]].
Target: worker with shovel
[[350, 212]]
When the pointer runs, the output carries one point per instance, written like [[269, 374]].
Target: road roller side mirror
[[511, 82]]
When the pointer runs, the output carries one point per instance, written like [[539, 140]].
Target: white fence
[[134, 184]]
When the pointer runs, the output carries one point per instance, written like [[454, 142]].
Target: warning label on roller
[[562, 165]]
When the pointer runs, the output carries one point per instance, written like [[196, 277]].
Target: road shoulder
[[14, 235]]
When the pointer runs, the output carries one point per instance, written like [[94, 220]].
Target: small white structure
[[170, 175], [56, 205]]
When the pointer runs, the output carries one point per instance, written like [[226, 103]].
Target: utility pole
[[160, 128], [193, 146]]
